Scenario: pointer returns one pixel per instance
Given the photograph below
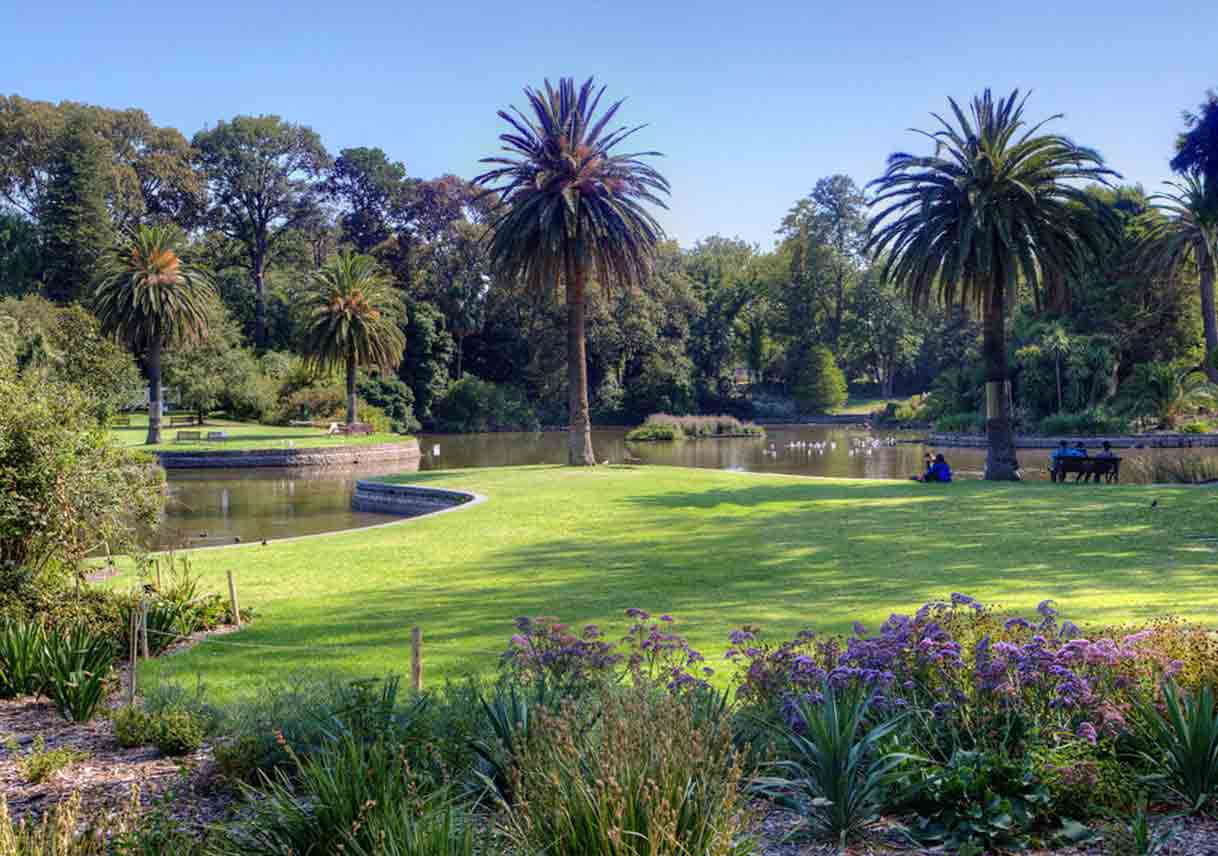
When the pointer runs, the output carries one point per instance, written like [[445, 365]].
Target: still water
[[210, 507]]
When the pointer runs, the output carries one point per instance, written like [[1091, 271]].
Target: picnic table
[[182, 420], [188, 437], [1085, 469]]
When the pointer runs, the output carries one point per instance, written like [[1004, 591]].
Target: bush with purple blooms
[[548, 651]]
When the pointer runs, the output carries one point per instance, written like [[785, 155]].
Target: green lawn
[[242, 435], [716, 549], [864, 406]]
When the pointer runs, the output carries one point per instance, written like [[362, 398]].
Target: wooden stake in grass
[[232, 596], [144, 626], [416, 659], [156, 567], [133, 634]]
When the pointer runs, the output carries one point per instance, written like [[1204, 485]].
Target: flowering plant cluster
[[966, 669], [545, 649]]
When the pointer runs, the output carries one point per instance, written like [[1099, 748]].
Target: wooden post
[[144, 626], [416, 659], [232, 596], [156, 567], [132, 627]]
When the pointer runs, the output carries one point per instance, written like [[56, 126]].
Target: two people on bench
[[937, 470]]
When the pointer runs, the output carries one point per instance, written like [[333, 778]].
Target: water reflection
[[210, 507]]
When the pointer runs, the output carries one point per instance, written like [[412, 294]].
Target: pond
[[213, 507]]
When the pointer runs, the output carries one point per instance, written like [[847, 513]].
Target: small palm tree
[[352, 321], [1181, 237], [1168, 392], [996, 204], [569, 207], [152, 298]]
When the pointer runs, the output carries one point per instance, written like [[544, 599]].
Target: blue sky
[[751, 102]]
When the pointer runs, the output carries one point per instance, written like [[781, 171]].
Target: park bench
[[300, 423], [1086, 469], [121, 421], [215, 435], [359, 428], [188, 437], [181, 420]]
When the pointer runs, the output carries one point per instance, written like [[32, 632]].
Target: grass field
[[864, 406], [242, 435], [716, 549]]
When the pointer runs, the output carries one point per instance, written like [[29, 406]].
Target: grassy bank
[[716, 549], [242, 435]]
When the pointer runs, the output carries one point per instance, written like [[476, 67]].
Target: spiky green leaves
[[147, 291], [352, 311], [566, 199], [997, 202]]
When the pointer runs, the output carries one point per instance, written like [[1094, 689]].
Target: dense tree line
[[720, 326]]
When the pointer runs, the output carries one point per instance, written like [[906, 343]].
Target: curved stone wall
[[405, 499], [332, 456]]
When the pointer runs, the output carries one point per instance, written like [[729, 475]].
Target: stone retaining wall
[[333, 456], [404, 499], [1123, 441]]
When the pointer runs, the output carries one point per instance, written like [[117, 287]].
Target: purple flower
[[667, 618], [1087, 731], [859, 629], [959, 599]]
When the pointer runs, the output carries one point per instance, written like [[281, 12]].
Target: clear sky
[[750, 101]]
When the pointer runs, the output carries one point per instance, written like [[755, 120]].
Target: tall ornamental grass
[[647, 778]]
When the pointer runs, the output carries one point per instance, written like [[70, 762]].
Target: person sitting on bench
[[938, 471]]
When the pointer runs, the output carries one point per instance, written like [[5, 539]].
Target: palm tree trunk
[[1207, 314], [579, 436], [259, 276], [351, 389], [1000, 462], [154, 393], [1057, 365]]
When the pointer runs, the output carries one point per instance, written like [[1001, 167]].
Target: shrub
[[40, 763], [393, 397], [132, 727], [1096, 420], [821, 385], [65, 486], [644, 778], [78, 666], [59, 604], [985, 799], [474, 405], [177, 732], [21, 658], [511, 713], [1201, 426], [833, 773], [960, 423], [64, 831], [662, 426]]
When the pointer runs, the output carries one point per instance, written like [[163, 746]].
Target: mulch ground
[[106, 778]]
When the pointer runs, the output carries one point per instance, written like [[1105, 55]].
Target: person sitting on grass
[[938, 471]]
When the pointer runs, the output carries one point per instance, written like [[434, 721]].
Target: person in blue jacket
[[937, 471]]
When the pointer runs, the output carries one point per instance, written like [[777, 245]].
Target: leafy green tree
[[425, 366], [996, 204], [352, 321], [879, 332], [152, 298], [261, 172], [217, 372], [1057, 344], [72, 213], [570, 207], [821, 385], [372, 189], [1183, 240], [20, 255], [93, 362]]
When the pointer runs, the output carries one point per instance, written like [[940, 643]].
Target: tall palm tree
[[569, 207], [152, 298], [1184, 238], [996, 204], [352, 321]]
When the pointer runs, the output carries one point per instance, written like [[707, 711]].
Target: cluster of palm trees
[[152, 297], [998, 203]]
